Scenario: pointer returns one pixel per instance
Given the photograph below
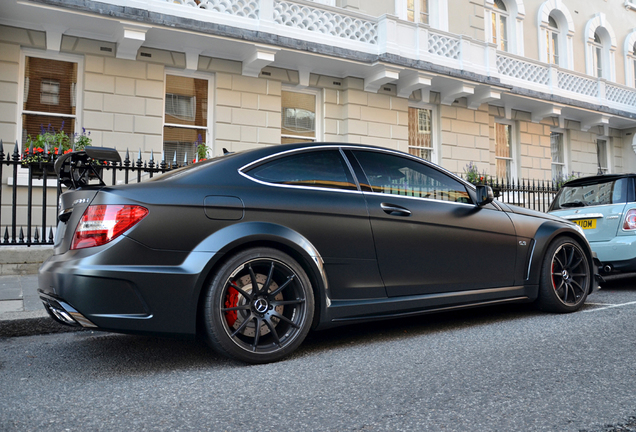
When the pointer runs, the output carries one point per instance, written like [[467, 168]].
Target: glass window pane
[[298, 115], [556, 144], [420, 141], [503, 150], [601, 150], [49, 86], [555, 48], [504, 34], [424, 11], [181, 141], [494, 27], [599, 63], [186, 101], [323, 169], [397, 175], [410, 10], [499, 4]]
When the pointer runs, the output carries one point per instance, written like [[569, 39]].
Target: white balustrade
[[578, 84], [316, 19]]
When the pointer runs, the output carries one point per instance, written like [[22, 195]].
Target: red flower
[[68, 151], [40, 150], [26, 151]]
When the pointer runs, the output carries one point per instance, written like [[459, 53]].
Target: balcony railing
[[344, 29]]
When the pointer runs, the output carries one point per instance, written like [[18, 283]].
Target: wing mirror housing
[[484, 195]]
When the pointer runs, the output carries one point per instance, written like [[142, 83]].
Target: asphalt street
[[494, 369]]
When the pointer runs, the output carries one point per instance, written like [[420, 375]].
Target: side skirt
[[347, 311]]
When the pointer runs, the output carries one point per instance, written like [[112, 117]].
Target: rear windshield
[[610, 192]]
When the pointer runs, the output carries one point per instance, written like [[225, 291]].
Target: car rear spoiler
[[75, 169]]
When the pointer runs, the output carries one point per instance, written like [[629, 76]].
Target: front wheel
[[565, 277], [259, 306]]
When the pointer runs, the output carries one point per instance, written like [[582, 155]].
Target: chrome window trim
[[341, 148]]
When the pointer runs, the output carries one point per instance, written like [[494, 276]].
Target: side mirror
[[484, 195]]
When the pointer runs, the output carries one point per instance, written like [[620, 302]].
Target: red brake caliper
[[231, 300]]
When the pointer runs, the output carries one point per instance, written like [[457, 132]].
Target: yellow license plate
[[586, 223]]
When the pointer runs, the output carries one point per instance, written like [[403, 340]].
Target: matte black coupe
[[252, 250]]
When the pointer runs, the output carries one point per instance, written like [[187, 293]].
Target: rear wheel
[[565, 277], [259, 306]]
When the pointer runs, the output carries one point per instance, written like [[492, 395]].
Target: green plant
[[472, 174], [201, 150], [49, 143]]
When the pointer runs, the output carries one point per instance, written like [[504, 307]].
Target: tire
[[565, 277], [282, 308]]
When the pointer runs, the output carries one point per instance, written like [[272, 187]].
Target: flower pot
[[38, 169]]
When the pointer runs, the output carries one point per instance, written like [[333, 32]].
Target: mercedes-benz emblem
[[261, 305]]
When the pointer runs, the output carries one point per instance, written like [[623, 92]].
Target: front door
[[429, 235]]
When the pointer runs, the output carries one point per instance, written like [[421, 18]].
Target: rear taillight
[[630, 220], [101, 224]]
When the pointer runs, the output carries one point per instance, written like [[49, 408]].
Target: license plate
[[586, 223]]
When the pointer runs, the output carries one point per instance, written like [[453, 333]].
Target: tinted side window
[[397, 175], [324, 169]]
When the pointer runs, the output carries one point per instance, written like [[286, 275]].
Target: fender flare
[[227, 239], [546, 233]]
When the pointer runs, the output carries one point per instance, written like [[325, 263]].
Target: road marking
[[610, 307], [599, 304]]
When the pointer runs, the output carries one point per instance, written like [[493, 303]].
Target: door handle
[[395, 210]]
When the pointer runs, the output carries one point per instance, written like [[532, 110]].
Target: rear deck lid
[[596, 205]]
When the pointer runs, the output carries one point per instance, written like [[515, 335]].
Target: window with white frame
[[559, 172], [600, 50], [556, 32], [499, 19], [504, 150], [422, 133], [186, 117], [49, 99], [552, 42], [417, 11], [601, 154], [299, 118]]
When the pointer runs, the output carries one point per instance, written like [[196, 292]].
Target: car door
[[429, 236]]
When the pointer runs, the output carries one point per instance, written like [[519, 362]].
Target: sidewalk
[[21, 311]]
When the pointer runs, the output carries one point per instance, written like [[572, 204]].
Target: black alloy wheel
[[259, 306], [565, 277]]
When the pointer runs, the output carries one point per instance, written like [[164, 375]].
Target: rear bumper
[[127, 294], [619, 253]]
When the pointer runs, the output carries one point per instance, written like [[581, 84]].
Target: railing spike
[[21, 237], [6, 234], [152, 156], [51, 236], [185, 158], [36, 236], [1, 150], [16, 151]]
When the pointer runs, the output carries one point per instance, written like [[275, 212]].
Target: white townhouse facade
[[530, 89]]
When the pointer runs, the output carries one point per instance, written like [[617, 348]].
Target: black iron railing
[[28, 212], [531, 194], [29, 215]]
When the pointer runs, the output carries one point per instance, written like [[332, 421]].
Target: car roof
[[603, 178]]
